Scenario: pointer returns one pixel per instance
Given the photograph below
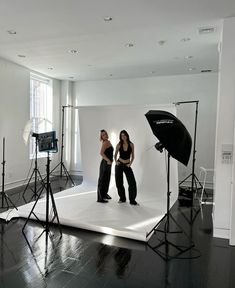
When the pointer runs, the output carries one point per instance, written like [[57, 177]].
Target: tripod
[[49, 195], [194, 180], [61, 163], [4, 195], [167, 217], [36, 173]]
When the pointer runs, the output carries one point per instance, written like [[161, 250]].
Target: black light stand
[[167, 217], [49, 194], [4, 195], [61, 163], [194, 179], [36, 173]]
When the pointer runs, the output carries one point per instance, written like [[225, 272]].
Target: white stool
[[203, 173]]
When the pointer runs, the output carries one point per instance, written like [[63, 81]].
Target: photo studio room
[[117, 123]]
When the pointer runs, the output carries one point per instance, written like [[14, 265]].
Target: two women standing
[[125, 150]]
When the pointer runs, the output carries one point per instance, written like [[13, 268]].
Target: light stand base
[[49, 195], [167, 217], [165, 254], [64, 170], [36, 173], [7, 200]]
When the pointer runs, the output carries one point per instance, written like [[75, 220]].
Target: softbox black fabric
[[172, 133]]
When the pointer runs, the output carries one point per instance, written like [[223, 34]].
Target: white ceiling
[[47, 29]]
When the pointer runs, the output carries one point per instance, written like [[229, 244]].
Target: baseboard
[[18, 183], [22, 182], [221, 233], [76, 173]]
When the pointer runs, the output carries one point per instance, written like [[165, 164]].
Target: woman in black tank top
[[105, 168], [125, 149]]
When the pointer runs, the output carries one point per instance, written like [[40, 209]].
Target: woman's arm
[[116, 152], [132, 156], [103, 148]]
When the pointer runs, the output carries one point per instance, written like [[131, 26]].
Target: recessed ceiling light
[[129, 45], [152, 72], [206, 70], [107, 18], [11, 32], [188, 57], [110, 75], [191, 68], [162, 42], [50, 68], [21, 56], [206, 30], [73, 51], [186, 39]]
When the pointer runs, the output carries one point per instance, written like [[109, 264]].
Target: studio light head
[[47, 142], [35, 135], [172, 134], [159, 146]]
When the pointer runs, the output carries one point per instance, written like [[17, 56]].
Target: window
[[41, 108]]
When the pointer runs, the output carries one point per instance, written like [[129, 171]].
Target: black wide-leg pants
[[119, 170], [104, 179]]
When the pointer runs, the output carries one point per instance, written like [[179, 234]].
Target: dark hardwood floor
[[86, 259]]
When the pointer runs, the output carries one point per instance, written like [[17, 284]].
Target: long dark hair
[[127, 136]]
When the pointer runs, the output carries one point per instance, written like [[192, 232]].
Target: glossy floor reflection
[[87, 259]]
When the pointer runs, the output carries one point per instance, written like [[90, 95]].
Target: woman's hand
[[128, 165], [109, 162]]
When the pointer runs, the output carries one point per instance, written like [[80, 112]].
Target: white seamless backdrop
[[149, 165]]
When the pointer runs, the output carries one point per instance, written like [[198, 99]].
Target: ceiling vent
[[206, 30], [206, 70]]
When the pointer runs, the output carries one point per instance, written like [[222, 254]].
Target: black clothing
[[104, 175], [109, 153], [125, 155], [119, 170]]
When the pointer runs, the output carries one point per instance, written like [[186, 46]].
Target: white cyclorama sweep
[[77, 206]]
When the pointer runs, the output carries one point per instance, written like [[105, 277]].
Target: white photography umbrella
[[36, 125]]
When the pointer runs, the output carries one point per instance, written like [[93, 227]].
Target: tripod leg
[[182, 230], [154, 229], [67, 174], [28, 182], [198, 181], [55, 167], [185, 179], [41, 179], [3, 195], [8, 199], [55, 210], [31, 212]]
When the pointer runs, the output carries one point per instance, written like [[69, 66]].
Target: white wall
[[162, 90], [66, 100], [224, 216], [14, 114]]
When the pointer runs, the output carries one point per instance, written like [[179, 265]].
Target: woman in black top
[[125, 148], [105, 168]]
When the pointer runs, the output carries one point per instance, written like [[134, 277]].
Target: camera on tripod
[[47, 141]]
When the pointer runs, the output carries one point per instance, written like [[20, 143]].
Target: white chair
[[202, 176]]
